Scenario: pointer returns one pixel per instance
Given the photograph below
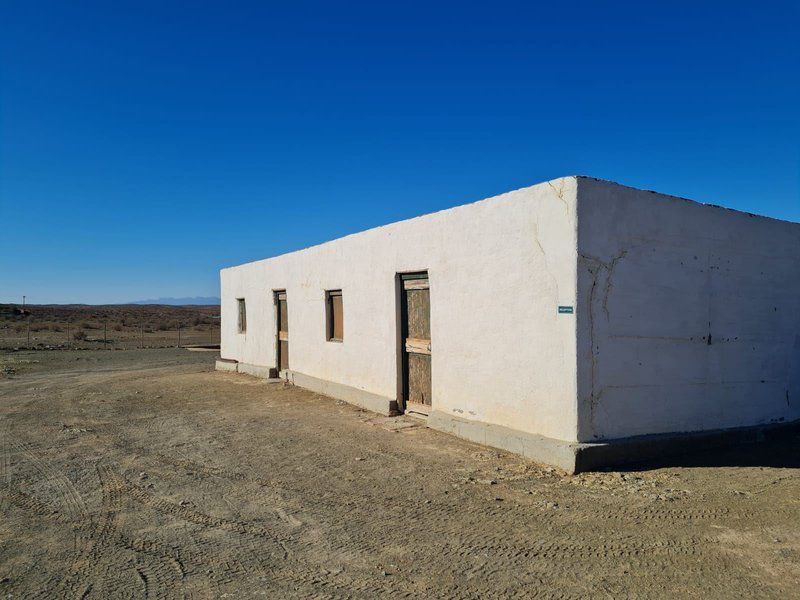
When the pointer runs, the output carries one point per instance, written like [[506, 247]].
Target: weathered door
[[283, 330], [416, 340]]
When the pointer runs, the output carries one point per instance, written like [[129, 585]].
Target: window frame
[[241, 316], [330, 325]]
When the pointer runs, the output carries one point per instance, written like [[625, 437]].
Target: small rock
[[359, 458], [143, 475]]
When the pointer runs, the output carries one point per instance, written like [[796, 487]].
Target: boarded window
[[242, 320], [334, 318]]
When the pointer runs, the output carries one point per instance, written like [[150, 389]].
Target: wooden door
[[416, 341], [282, 321]]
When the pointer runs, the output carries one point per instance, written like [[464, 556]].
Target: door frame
[[401, 314]]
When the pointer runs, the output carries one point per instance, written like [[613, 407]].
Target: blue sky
[[144, 145]]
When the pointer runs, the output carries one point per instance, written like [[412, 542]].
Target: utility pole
[[179, 335], [23, 301], [141, 337], [68, 334], [105, 331], [29, 331]]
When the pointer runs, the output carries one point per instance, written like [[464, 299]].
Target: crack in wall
[[595, 266], [609, 280], [559, 193], [544, 255]]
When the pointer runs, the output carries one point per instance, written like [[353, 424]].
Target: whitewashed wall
[[498, 270], [657, 277]]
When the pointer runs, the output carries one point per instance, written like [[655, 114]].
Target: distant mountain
[[196, 300]]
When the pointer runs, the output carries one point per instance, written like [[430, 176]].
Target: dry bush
[[117, 327], [79, 335]]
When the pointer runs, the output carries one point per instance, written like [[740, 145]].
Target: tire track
[[100, 568], [121, 485], [5, 467], [65, 496]]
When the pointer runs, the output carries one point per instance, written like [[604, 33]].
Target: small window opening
[[333, 316], [242, 321]]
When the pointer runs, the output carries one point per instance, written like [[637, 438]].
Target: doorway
[[282, 330], [415, 341]]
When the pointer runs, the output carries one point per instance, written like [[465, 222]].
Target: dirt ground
[[144, 473]]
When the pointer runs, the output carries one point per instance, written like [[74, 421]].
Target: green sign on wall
[[565, 310]]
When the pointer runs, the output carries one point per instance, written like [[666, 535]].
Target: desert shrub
[[162, 326], [79, 335], [55, 327], [117, 327]]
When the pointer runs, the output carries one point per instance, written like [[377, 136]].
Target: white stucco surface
[[688, 315], [498, 271]]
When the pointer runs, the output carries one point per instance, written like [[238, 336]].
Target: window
[[333, 316], [242, 321]]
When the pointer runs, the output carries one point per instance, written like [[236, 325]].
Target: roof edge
[[455, 207], [683, 199]]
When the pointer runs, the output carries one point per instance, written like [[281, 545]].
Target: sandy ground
[[146, 474]]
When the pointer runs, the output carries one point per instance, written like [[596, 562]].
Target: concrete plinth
[[574, 457]]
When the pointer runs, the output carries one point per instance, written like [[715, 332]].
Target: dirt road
[[146, 474]]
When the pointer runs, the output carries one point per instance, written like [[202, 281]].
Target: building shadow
[[781, 451]]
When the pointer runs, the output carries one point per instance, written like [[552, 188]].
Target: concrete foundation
[[230, 366], [580, 457], [366, 400], [362, 399], [648, 448], [537, 447]]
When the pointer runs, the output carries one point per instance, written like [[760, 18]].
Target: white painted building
[[577, 322]]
